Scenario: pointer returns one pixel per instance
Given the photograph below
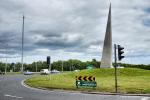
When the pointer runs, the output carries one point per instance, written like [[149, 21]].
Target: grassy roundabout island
[[130, 80]]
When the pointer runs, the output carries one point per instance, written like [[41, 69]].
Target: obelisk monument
[[106, 61]]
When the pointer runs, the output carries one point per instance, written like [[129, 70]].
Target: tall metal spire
[[106, 61]]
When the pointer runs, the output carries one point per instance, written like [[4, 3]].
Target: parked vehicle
[[44, 71], [76, 70], [28, 73]]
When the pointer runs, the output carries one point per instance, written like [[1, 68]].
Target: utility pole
[[62, 67], [14, 67], [36, 66], [22, 67], [6, 59], [6, 66], [116, 88]]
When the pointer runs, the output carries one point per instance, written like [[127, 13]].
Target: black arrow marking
[[79, 78], [90, 78], [85, 78]]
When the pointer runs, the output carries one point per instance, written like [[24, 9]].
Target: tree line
[[68, 65]]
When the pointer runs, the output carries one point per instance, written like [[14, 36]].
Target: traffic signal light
[[120, 52], [48, 59]]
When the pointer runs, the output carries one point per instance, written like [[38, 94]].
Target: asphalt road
[[12, 89]]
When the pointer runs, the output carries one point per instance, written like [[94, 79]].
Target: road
[[12, 89]]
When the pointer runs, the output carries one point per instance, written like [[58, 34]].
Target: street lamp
[[22, 43]]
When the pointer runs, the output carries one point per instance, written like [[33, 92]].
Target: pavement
[[11, 88]]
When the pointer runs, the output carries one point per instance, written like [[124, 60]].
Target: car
[[76, 70], [55, 71], [44, 71], [28, 73]]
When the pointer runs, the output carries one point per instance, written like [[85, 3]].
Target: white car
[[55, 71], [44, 71], [76, 70]]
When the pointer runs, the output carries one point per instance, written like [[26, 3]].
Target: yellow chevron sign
[[85, 78]]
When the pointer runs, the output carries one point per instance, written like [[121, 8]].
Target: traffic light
[[120, 52], [48, 59]]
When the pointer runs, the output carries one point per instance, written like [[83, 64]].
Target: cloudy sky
[[73, 29]]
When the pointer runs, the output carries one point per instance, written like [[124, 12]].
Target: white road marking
[[7, 95], [23, 84], [52, 91], [145, 98], [62, 91]]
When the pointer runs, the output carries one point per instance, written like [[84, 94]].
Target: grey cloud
[[73, 26], [45, 33], [10, 5], [58, 43]]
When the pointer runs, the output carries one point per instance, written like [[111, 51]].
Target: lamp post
[[22, 43]]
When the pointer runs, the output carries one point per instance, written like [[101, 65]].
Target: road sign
[[90, 67], [85, 78], [85, 81]]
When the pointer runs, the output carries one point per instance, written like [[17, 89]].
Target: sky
[[73, 29]]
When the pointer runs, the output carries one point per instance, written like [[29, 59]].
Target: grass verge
[[130, 80]]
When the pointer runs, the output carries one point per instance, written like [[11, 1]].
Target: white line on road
[[7, 95], [145, 98], [37, 89], [23, 84]]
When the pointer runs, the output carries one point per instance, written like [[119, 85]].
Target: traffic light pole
[[116, 88], [50, 68], [50, 65]]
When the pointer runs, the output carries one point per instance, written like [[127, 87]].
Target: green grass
[[130, 80]]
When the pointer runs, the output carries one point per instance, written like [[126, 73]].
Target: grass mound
[[130, 80]]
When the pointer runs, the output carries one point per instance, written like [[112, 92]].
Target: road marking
[[23, 84], [7, 95], [52, 91], [145, 98]]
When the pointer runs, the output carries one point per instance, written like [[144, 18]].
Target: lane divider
[[7, 95], [145, 98]]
